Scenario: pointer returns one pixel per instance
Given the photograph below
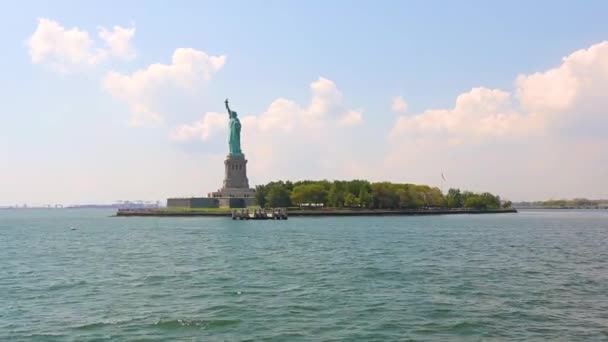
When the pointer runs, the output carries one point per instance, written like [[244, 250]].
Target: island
[[352, 198], [320, 197]]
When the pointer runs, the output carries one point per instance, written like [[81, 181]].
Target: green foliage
[[356, 186], [577, 202], [433, 197], [363, 194], [385, 195], [351, 200], [278, 195], [365, 197], [410, 198], [336, 194], [481, 201], [310, 193], [324, 183], [454, 199], [555, 203], [260, 195], [573, 203]]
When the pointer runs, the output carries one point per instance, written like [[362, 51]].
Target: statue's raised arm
[[228, 108]]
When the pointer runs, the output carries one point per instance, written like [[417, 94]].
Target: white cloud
[[352, 118], [188, 67], [64, 48], [479, 114], [211, 122], [325, 98], [53, 43], [119, 41], [575, 90], [284, 116], [533, 144], [399, 105], [286, 130], [326, 108]]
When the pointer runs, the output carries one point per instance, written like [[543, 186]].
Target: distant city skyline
[[126, 100]]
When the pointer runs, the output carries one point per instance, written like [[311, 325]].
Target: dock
[[260, 214]]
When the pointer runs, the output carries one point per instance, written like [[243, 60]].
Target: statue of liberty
[[234, 138]]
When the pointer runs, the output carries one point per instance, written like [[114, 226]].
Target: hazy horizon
[[125, 101]]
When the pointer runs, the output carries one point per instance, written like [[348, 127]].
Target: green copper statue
[[234, 140]]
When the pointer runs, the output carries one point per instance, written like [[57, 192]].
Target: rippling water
[[536, 275]]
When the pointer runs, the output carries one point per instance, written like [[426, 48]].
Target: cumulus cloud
[[287, 130], [211, 122], [188, 67], [534, 138], [284, 116], [399, 105], [326, 108], [479, 114], [118, 41], [65, 48], [352, 118], [573, 90]]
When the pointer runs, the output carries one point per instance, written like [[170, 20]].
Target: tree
[[288, 185], [434, 198], [310, 193], [385, 196], [454, 199], [260, 195], [381, 195], [365, 198], [555, 203], [336, 194], [481, 201], [355, 186], [278, 196], [351, 200], [474, 201], [490, 201], [410, 198]]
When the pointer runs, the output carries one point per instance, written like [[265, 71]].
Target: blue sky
[[66, 137]]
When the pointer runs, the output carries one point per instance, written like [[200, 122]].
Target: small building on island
[[235, 191]]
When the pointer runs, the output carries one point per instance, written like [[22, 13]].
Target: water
[[537, 275]]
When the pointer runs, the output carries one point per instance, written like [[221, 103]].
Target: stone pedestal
[[235, 172], [236, 184]]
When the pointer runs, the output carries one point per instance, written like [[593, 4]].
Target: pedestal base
[[235, 172], [236, 192]]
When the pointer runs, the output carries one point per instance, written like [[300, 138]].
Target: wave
[[101, 324], [197, 324], [66, 285]]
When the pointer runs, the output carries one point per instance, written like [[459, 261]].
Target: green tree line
[[566, 203], [363, 194]]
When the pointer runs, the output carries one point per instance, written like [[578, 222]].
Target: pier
[[260, 214]]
